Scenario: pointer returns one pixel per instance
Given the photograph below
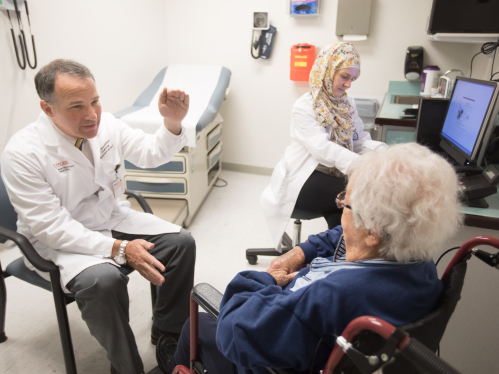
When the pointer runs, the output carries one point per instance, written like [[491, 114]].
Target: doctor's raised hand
[[173, 106]]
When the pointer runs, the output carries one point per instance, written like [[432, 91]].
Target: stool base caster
[[252, 259]]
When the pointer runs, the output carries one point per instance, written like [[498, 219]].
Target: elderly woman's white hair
[[409, 196]]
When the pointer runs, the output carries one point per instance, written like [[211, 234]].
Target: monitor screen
[[464, 16], [466, 114]]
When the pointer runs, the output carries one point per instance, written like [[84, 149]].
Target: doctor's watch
[[120, 256]]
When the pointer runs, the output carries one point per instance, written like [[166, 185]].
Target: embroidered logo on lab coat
[[63, 166]]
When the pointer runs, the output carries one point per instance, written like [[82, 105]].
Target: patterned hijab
[[329, 110]]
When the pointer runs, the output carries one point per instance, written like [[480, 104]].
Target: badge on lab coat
[[118, 184]]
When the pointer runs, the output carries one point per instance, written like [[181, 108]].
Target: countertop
[[389, 112], [487, 218]]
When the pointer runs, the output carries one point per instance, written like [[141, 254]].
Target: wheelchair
[[369, 344]]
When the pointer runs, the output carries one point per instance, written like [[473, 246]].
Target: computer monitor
[[470, 120], [431, 117]]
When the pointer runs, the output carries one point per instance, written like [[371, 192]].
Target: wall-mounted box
[[353, 17], [303, 7]]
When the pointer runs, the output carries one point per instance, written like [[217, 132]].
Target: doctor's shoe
[[156, 333], [165, 349]]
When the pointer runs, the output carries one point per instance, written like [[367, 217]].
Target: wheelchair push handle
[[396, 340], [467, 249], [424, 359]]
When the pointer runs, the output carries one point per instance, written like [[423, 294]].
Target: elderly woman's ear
[[373, 239]]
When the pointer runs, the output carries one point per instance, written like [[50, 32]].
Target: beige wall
[[257, 111], [120, 41]]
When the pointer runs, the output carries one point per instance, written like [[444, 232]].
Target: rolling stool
[[287, 244]]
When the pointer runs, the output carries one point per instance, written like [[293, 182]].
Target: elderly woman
[[400, 205], [326, 136]]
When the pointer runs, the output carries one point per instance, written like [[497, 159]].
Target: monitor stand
[[477, 203]]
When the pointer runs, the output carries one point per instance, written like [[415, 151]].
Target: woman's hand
[[289, 262], [282, 278]]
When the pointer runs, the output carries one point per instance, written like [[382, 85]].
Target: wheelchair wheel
[[252, 259]]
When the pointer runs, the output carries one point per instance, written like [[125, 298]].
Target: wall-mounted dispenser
[[304, 7], [352, 19], [413, 67]]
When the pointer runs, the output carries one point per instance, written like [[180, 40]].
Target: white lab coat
[[310, 145], [66, 206]]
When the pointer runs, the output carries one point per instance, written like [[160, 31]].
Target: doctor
[[64, 173], [326, 137]]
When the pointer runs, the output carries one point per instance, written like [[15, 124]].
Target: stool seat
[[301, 214]]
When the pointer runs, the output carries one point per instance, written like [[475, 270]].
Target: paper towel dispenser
[[352, 19]]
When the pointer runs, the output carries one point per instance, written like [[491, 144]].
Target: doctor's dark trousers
[[102, 297]]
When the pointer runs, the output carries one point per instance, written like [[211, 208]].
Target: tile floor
[[230, 221]]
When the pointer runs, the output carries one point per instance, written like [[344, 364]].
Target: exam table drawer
[[213, 137], [175, 166], [214, 155], [156, 185]]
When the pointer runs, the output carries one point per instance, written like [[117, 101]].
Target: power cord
[[255, 45], [487, 49], [443, 254], [223, 185]]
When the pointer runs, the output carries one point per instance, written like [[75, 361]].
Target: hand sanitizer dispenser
[[413, 63]]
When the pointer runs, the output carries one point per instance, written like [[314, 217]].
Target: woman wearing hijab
[[326, 137]]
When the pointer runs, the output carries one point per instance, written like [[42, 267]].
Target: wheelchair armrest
[[27, 249], [208, 298], [140, 199]]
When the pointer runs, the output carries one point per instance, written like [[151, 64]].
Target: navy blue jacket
[[263, 325]]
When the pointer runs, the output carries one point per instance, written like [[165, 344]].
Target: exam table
[[183, 183]]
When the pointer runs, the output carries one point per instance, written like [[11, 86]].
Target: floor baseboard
[[248, 169]]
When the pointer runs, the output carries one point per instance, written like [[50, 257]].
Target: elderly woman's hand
[[288, 262], [282, 277]]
